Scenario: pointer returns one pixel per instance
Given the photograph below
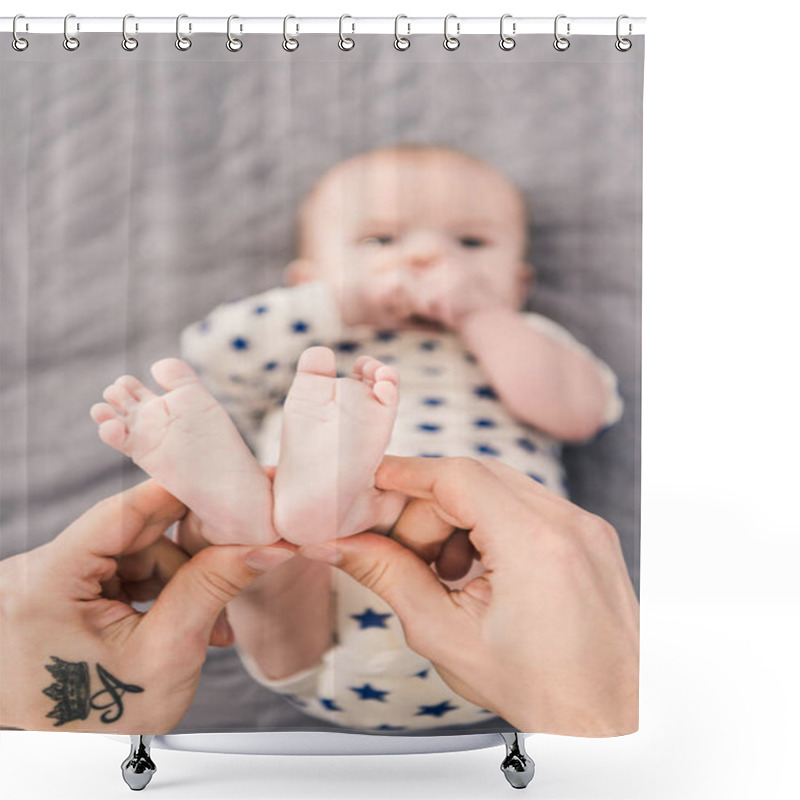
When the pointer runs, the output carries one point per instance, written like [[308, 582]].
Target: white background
[[720, 544]]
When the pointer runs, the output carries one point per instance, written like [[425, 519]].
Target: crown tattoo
[[70, 691]]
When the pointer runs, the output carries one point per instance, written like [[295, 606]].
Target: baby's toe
[[386, 393], [369, 368], [387, 373], [135, 388], [114, 433], [358, 367], [319, 361], [172, 373], [118, 396], [102, 412]]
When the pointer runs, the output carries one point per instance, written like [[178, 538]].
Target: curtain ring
[[623, 45], [401, 42], [233, 44], [290, 44], [345, 42], [507, 42], [451, 42], [181, 42], [18, 43], [70, 42], [129, 43], [561, 43]]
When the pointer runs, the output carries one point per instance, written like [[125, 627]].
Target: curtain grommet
[[622, 44], [183, 43], [233, 44], [507, 41], [401, 43], [70, 43], [561, 43], [451, 42]]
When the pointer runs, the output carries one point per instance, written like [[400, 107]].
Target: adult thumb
[[398, 576], [190, 603]]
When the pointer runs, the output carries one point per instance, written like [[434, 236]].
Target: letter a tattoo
[[71, 692]]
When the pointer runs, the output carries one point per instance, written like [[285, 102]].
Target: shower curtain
[[153, 198]]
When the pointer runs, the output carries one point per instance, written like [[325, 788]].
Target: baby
[[414, 254]]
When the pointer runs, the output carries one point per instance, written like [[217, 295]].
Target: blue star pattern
[[270, 365], [487, 450], [329, 704], [484, 422], [486, 392], [429, 345], [390, 728], [368, 692], [347, 347], [429, 427], [240, 343], [526, 444], [536, 477], [371, 619], [261, 309], [436, 711], [432, 401], [298, 326], [423, 673], [385, 336]]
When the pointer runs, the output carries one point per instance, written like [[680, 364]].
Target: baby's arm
[[543, 376], [245, 351]]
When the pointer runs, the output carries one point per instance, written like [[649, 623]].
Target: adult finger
[[189, 534], [398, 576], [141, 577], [121, 524], [463, 488], [153, 566], [189, 604], [422, 529], [456, 557], [531, 491], [87, 551], [466, 494]]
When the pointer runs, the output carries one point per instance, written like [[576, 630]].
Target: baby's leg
[[187, 442], [335, 432]]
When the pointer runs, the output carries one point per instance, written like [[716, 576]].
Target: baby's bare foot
[[186, 441], [335, 432]]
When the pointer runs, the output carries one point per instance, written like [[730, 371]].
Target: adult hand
[[75, 655], [548, 636]]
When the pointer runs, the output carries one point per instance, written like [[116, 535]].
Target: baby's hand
[[382, 301], [447, 296]]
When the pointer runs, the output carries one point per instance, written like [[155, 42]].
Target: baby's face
[[390, 230]]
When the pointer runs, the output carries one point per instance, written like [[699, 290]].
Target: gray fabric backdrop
[[141, 189]]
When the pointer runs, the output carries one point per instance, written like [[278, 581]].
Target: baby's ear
[[527, 278], [301, 270]]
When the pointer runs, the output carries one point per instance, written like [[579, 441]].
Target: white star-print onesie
[[246, 353]]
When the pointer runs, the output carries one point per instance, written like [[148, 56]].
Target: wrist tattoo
[[71, 692]]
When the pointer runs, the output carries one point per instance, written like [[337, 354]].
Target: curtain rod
[[298, 25]]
